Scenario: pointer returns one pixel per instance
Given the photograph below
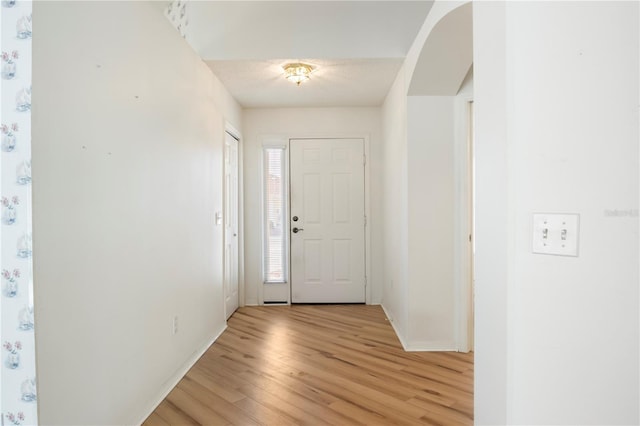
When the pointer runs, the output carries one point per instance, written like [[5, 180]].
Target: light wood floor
[[318, 365]]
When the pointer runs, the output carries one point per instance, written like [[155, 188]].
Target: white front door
[[327, 221], [230, 224]]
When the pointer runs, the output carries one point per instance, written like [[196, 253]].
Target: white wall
[[421, 134], [556, 96], [128, 127], [430, 148], [395, 219], [285, 123]]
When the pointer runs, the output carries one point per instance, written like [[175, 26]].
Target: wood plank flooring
[[319, 365]]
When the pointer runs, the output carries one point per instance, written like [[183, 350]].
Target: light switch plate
[[556, 234]]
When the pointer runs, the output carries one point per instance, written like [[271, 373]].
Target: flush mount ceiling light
[[297, 72]]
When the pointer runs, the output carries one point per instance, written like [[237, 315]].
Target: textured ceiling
[[357, 48], [342, 82]]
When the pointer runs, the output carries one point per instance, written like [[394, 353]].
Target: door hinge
[[365, 220], [364, 160], [365, 281]]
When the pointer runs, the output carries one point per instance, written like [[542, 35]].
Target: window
[[275, 268]]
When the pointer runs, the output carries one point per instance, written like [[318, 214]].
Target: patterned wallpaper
[[18, 395], [176, 12]]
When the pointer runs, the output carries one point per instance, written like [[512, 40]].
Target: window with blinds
[[275, 269]]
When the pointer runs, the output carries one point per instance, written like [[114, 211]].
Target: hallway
[[124, 219]]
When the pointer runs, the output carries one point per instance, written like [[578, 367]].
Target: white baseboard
[[432, 346], [393, 325], [177, 376], [421, 346]]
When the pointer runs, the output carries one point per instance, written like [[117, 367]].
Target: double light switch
[[556, 234]]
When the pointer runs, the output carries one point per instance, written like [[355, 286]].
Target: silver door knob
[[296, 230]]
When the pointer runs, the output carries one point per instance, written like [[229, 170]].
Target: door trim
[[271, 140]]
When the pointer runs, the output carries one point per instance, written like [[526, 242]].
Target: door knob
[[296, 230]]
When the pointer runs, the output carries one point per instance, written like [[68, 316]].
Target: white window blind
[[275, 269]]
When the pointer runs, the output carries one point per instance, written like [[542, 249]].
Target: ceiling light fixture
[[297, 72]]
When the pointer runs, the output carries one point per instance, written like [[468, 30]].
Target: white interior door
[[327, 221], [230, 224]]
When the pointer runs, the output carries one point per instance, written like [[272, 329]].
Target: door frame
[[235, 133], [285, 140], [463, 206]]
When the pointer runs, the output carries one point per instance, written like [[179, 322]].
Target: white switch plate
[[556, 234]]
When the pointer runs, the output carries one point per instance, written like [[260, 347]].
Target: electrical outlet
[[175, 325]]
